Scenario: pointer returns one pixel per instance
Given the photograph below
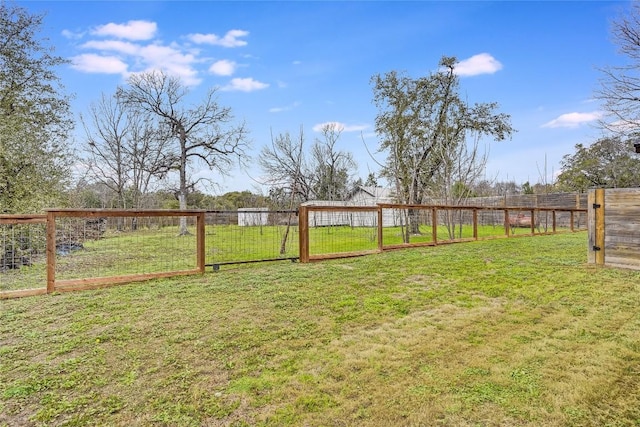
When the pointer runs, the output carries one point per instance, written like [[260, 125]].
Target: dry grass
[[514, 332]]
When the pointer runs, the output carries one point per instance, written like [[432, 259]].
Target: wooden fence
[[112, 262], [614, 227], [395, 226], [67, 250]]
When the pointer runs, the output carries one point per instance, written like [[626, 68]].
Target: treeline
[[98, 196]]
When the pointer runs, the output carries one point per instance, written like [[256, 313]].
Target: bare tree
[[285, 166], [106, 134], [151, 154], [620, 85], [204, 133], [286, 172], [333, 169], [126, 151], [462, 166]]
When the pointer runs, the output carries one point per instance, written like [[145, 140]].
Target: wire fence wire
[[89, 247], [250, 235], [23, 260]]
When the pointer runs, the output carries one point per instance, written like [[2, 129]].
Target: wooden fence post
[[475, 224], [599, 210], [200, 240], [596, 226], [380, 219], [434, 225], [303, 233], [51, 252], [507, 225], [533, 219]]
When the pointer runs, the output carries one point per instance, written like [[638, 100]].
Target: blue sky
[[285, 65]]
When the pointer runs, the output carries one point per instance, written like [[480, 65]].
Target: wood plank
[[626, 266], [342, 255], [101, 282], [93, 213], [23, 219], [22, 293]]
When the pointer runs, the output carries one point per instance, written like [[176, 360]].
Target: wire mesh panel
[[342, 231], [23, 261], [455, 224], [250, 235], [122, 245], [404, 225]]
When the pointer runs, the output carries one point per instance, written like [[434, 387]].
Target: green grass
[[517, 332]]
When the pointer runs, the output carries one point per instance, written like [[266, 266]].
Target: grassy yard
[[518, 332]]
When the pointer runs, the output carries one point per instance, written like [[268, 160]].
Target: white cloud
[[132, 48], [572, 120], [245, 85], [286, 108], [230, 39], [482, 63], [143, 57], [341, 127], [165, 56], [113, 45], [132, 30], [68, 34], [92, 63], [224, 67]]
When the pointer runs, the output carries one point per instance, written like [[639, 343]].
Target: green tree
[[421, 119], [35, 118], [609, 162], [371, 181]]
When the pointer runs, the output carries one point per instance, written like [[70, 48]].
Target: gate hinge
[[597, 205], [596, 248]]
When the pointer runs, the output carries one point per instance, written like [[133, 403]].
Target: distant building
[[362, 196], [249, 217]]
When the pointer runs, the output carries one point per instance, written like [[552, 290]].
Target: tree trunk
[[283, 243], [182, 195], [414, 222], [182, 199]]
